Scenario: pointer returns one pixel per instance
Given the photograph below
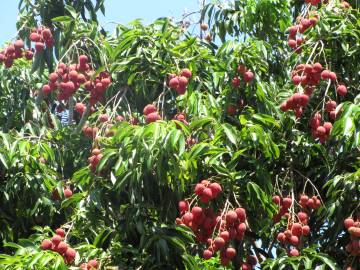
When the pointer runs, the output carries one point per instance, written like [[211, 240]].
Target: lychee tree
[[235, 146]]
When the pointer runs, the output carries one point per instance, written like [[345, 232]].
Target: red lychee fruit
[[183, 81], [349, 222], [341, 90], [152, 117], [39, 46], [276, 199], [199, 189], [93, 263], [231, 217], [230, 253], [287, 202], [103, 118], [67, 193], [150, 108], [241, 214], [83, 59], [183, 206], [219, 243], [186, 73], [215, 188], [294, 253], [46, 33], [56, 239], [235, 82], [174, 83], [46, 89], [330, 105], [60, 232], [306, 230], [248, 76], [70, 255], [207, 254], [46, 244]]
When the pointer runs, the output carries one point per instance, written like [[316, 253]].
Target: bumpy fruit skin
[[152, 117], [60, 232], [56, 239], [46, 244], [241, 214], [62, 247], [306, 230], [294, 253], [93, 263], [276, 199], [287, 202], [183, 206], [70, 255], [207, 254], [230, 253], [219, 243], [248, 76], [103, 118], [231, 217], [341, 90], [67, 193], [235, 82], [186, 73], [349, 222], [150, 108], [83, 59], [174, 83], [46, 89]]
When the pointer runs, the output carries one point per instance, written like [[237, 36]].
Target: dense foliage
[[106, 138]]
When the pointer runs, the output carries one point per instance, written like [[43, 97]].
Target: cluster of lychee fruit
[[42, 36], [319, 131], [151, 113], [67, 193], [295, 39], [57, 244], [308, 76], [15, 51], [353, 227], [228, 226], [298, 223], [69, 78], [180, 82], [247, 75], [95, 158]]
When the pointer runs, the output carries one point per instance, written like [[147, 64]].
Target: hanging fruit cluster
[[307, 76], [151, 113], [15, 51], [353, 227], [42, 36], [247, 75], [297, 226], [95, 158], [180, 82], [69, 78], [57, 244], [215, 230], [295, 39]]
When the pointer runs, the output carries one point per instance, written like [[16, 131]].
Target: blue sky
[[116, 11]]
